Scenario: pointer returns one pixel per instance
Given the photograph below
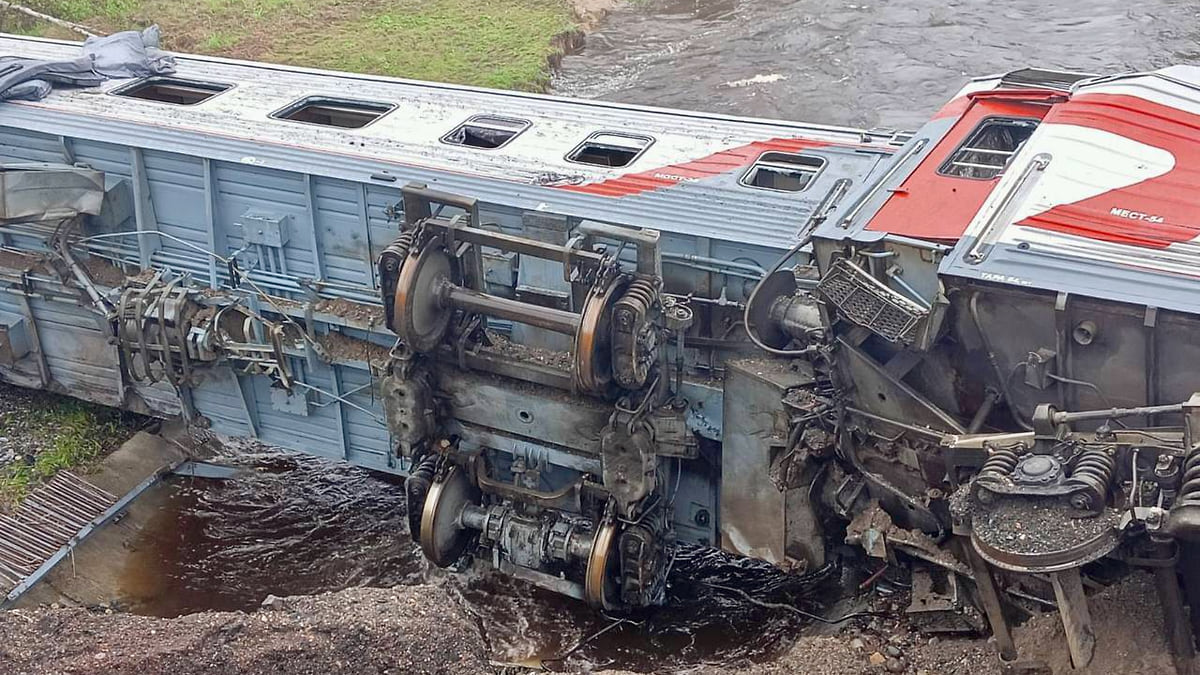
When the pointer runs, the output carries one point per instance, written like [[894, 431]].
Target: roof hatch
[[325, 111], [173, 90]]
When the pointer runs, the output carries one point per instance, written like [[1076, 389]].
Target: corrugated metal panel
[[23, 146], [77, 352]]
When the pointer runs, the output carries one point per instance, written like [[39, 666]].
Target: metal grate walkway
[[46, 524]]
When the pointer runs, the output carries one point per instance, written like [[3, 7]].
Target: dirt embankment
[[589, 13], [1126, 616], [360, 631], [420, 629]]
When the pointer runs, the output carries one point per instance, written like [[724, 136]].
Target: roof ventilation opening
[[989, 148], [486, 131], [609, 149], [172, 90], [334, 112], [784, 172]]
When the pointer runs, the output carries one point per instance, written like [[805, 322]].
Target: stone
[[273, 603], [877, 659]]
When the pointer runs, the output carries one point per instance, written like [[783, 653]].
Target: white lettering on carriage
[[1135, 215]]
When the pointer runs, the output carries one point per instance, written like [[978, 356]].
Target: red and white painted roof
[[1109, 179], [930, 205]]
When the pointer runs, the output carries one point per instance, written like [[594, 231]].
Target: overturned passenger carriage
[[586, 331]]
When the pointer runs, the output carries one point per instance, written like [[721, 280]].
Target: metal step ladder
[[46, 526]]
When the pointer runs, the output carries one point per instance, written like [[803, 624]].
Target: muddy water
[[290, 525], [861, 62], [287, 524]]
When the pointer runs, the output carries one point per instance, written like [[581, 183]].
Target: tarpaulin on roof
[[120, 55]]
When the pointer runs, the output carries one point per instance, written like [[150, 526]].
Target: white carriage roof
[[419, 115]]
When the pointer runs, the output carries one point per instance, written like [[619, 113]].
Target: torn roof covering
[[1102, 198], [120, 55]]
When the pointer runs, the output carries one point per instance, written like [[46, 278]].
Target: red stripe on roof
[[712, 165], [928, 205], [1153, 213]]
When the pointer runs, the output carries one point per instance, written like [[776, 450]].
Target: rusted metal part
[[874, 530], [993, 606], [939, 603], [1076, 618]]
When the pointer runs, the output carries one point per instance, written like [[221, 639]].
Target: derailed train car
[[570, 325]]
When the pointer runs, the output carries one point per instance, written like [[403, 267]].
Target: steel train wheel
[[600, 579], [420, 319], [443, 539], [593, 341]]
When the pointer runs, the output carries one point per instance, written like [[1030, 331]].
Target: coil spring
[[389, 265], [402, 245], [1000, 464], [416, 487], [1094, 469], [641, 292], [1189, 490]]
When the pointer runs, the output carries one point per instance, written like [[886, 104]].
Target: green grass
[[31, 29], [219, 41], [71, 433], [492, 43], [505, 44], [82, 10]]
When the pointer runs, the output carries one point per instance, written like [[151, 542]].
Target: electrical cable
[[342, 400]]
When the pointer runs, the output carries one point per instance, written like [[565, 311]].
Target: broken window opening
[[486, 131], [783, 172], [334, 112], [610, 149], [989, 148], [172, 90]]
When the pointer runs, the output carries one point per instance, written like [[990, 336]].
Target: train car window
[[334, 112], [989, 148], [172, 90], [609, 149], [486, 131], [783, 172]]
